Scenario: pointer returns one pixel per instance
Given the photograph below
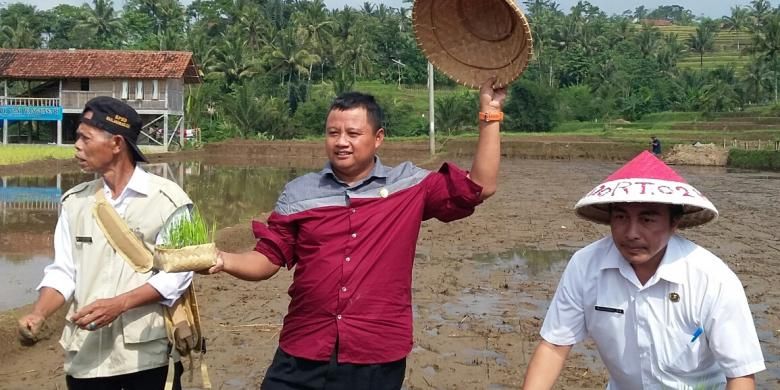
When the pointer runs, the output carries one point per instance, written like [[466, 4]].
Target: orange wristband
[[491, 116]]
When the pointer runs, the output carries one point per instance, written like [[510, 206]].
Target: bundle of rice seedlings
[[189, 231], [189, 246]]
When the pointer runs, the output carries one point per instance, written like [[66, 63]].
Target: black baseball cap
[[116, 117]]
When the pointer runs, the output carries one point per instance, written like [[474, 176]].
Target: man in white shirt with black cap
[[115, 335], [664, 312]]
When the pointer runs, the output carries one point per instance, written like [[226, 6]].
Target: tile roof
[[107, 64]]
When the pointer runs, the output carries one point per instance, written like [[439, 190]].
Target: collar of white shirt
[[671, 268], [138, 184]]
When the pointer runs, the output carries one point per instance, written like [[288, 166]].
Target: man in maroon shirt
[[350, 231]]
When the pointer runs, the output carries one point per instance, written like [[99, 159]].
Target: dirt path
[[476, 318]]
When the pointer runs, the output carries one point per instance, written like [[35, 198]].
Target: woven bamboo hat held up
[[473, 40]]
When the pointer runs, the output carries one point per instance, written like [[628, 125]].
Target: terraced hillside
[[730, 48]]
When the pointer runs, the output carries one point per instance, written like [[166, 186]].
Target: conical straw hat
[[473, 40], [646, 179]]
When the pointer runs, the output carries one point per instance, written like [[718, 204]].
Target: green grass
[[188, 232], [18, 154], [415, 95], [754, 159], [724, 48]]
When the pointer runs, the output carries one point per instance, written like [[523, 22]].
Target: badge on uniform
[[384, 192], [83, 239], [674, 297]]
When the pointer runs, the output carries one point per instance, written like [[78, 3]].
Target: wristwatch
[[491, 116]]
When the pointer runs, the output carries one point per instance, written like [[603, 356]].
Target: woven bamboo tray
[[189, 258]]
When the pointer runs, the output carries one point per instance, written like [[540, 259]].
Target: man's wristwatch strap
[[491, 116]]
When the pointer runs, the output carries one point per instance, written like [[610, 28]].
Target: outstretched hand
[[217, 267], [490, 97]]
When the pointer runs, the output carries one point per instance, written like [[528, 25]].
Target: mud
[[481, 285]]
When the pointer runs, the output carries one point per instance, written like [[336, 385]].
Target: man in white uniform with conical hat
[[664, 312]]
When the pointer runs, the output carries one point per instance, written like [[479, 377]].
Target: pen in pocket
[[697, 333], [609, 309]]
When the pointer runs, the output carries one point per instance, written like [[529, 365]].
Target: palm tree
[[358, 53], [453, 111], [253, 24], [315, 29], [232, 61], [648, 39], [671, 51], [252, 113], [760, 10], [288, 57], [368, 8], [102, 20], [766, 43], [755, 75], [18, 37], [737, 22], [718, 96], [702, 41]]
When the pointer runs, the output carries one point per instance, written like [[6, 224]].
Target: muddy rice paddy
[[481, 285]]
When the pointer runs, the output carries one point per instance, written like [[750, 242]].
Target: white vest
[[137, 339]]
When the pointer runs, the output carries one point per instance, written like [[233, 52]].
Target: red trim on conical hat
[[646, 166]]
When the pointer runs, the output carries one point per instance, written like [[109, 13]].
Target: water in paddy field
[[29, 208]]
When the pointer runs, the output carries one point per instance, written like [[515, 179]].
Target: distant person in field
[[655, 145], [664, 312], [350, 231]]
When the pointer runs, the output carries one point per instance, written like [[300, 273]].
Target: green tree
[[62, 30], [19, 36], [670, 53], [21, 26], [766, 44], [737, 22], [232, 61], [530, 107], [755, 76], [102, 21], [648, 40], [760, 10], [674, 13], [154, 24], [702, 41], [289, 57], [454, 111], [253, 114]]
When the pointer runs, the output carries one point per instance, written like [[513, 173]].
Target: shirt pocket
[[606, 314], [680, 356], [72, 337], [143, 324]]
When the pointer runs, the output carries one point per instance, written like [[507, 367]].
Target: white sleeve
[[564, 323], [731, 333], [61, 274], [171, 285]]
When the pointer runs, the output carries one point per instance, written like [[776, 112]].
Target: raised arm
[[484, 169], [545, 366]]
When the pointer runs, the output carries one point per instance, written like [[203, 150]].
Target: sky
[[708, 8]]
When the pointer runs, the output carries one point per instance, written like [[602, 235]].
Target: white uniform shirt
[[61, 274], [644, 333]]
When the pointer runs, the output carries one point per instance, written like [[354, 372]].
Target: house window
[[85, 84], [155, 90], [139, 90], [125, 89]]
